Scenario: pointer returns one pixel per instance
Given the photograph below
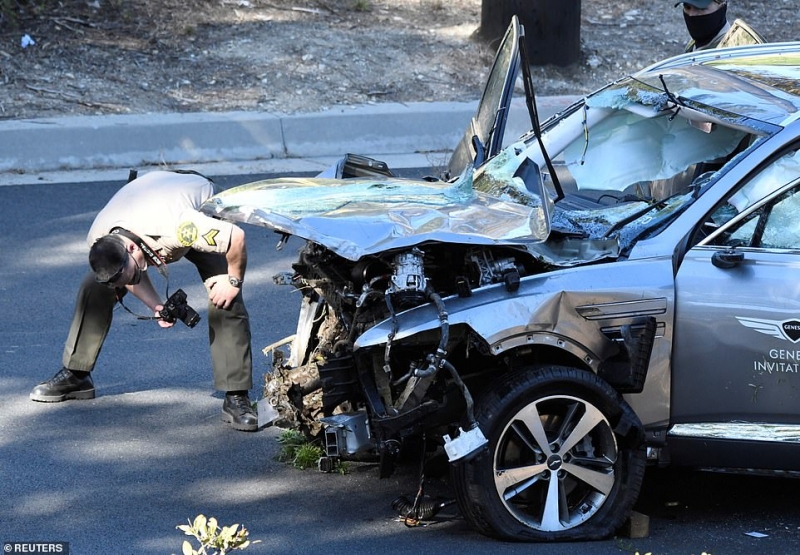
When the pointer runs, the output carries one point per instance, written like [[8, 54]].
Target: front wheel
[[564, 460]]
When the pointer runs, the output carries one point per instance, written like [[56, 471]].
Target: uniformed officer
[[152, 221]]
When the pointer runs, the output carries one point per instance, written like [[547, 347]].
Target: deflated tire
[[564, 461]]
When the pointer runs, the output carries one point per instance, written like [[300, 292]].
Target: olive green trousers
[[228, 329]]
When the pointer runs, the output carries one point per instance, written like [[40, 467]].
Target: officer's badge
[[187, 234]]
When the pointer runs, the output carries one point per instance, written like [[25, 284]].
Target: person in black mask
[[706, 21]]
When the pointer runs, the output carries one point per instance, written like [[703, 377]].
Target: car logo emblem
[[788, 330], [792, 330]]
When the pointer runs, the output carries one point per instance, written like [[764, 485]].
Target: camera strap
[[150, 254], [129, 311], [152, 257]]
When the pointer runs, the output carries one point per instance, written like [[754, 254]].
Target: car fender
[[547, 309], [580, 310]]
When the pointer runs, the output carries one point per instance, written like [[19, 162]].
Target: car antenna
[[530, 99]]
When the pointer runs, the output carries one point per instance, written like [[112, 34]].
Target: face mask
[[137, 274], [703, 28]]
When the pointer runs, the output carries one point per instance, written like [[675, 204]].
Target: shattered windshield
[[629, 159], [626, 149]]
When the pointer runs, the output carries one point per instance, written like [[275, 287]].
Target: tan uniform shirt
[[161, 207]]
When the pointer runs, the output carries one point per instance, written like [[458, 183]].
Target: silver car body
[[664, 199], [362, 216]]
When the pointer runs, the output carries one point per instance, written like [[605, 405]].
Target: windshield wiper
[[530, 99], [635, 216], [657, 205], [672, 98]]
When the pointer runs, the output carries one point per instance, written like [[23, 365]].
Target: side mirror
[[727, 259]]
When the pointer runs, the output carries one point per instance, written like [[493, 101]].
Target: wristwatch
[[236, 282]]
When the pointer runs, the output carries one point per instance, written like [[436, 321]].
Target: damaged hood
[[358, 217]]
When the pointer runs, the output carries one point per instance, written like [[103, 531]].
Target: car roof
[[761, 82]]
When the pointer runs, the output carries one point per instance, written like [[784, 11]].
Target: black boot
[[64, 385], [239, 413]]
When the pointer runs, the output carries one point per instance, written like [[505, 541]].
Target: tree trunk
[[552, 27]]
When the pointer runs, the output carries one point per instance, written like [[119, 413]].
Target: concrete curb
[[142, 140]]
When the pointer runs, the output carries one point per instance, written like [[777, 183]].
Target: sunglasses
[[112, 279]]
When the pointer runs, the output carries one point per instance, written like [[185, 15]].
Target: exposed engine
[[369, 400]]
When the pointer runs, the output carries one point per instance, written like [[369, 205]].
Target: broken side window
[[773, 225], [777, 174]]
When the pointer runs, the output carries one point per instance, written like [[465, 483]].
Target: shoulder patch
[[209, 237], [187, 233]]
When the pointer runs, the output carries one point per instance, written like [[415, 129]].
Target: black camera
[[176, 308]]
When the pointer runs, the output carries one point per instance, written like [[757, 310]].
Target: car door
[[736, 356], [483, 138]]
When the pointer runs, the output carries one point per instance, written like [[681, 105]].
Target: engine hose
[[426, 509], [472, 423], [387, 367], [351, 325], [403, 379], [343, 345], [437, 359], [444, 324]]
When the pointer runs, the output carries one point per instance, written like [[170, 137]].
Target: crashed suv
[[556, 311]]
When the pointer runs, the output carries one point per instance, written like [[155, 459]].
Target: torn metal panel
[[748, 431]]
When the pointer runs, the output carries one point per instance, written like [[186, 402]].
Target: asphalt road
[[116, 474]]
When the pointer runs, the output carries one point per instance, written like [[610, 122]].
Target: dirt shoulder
[[154, 56]]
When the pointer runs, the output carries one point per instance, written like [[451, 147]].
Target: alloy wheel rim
[[554, 463]]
